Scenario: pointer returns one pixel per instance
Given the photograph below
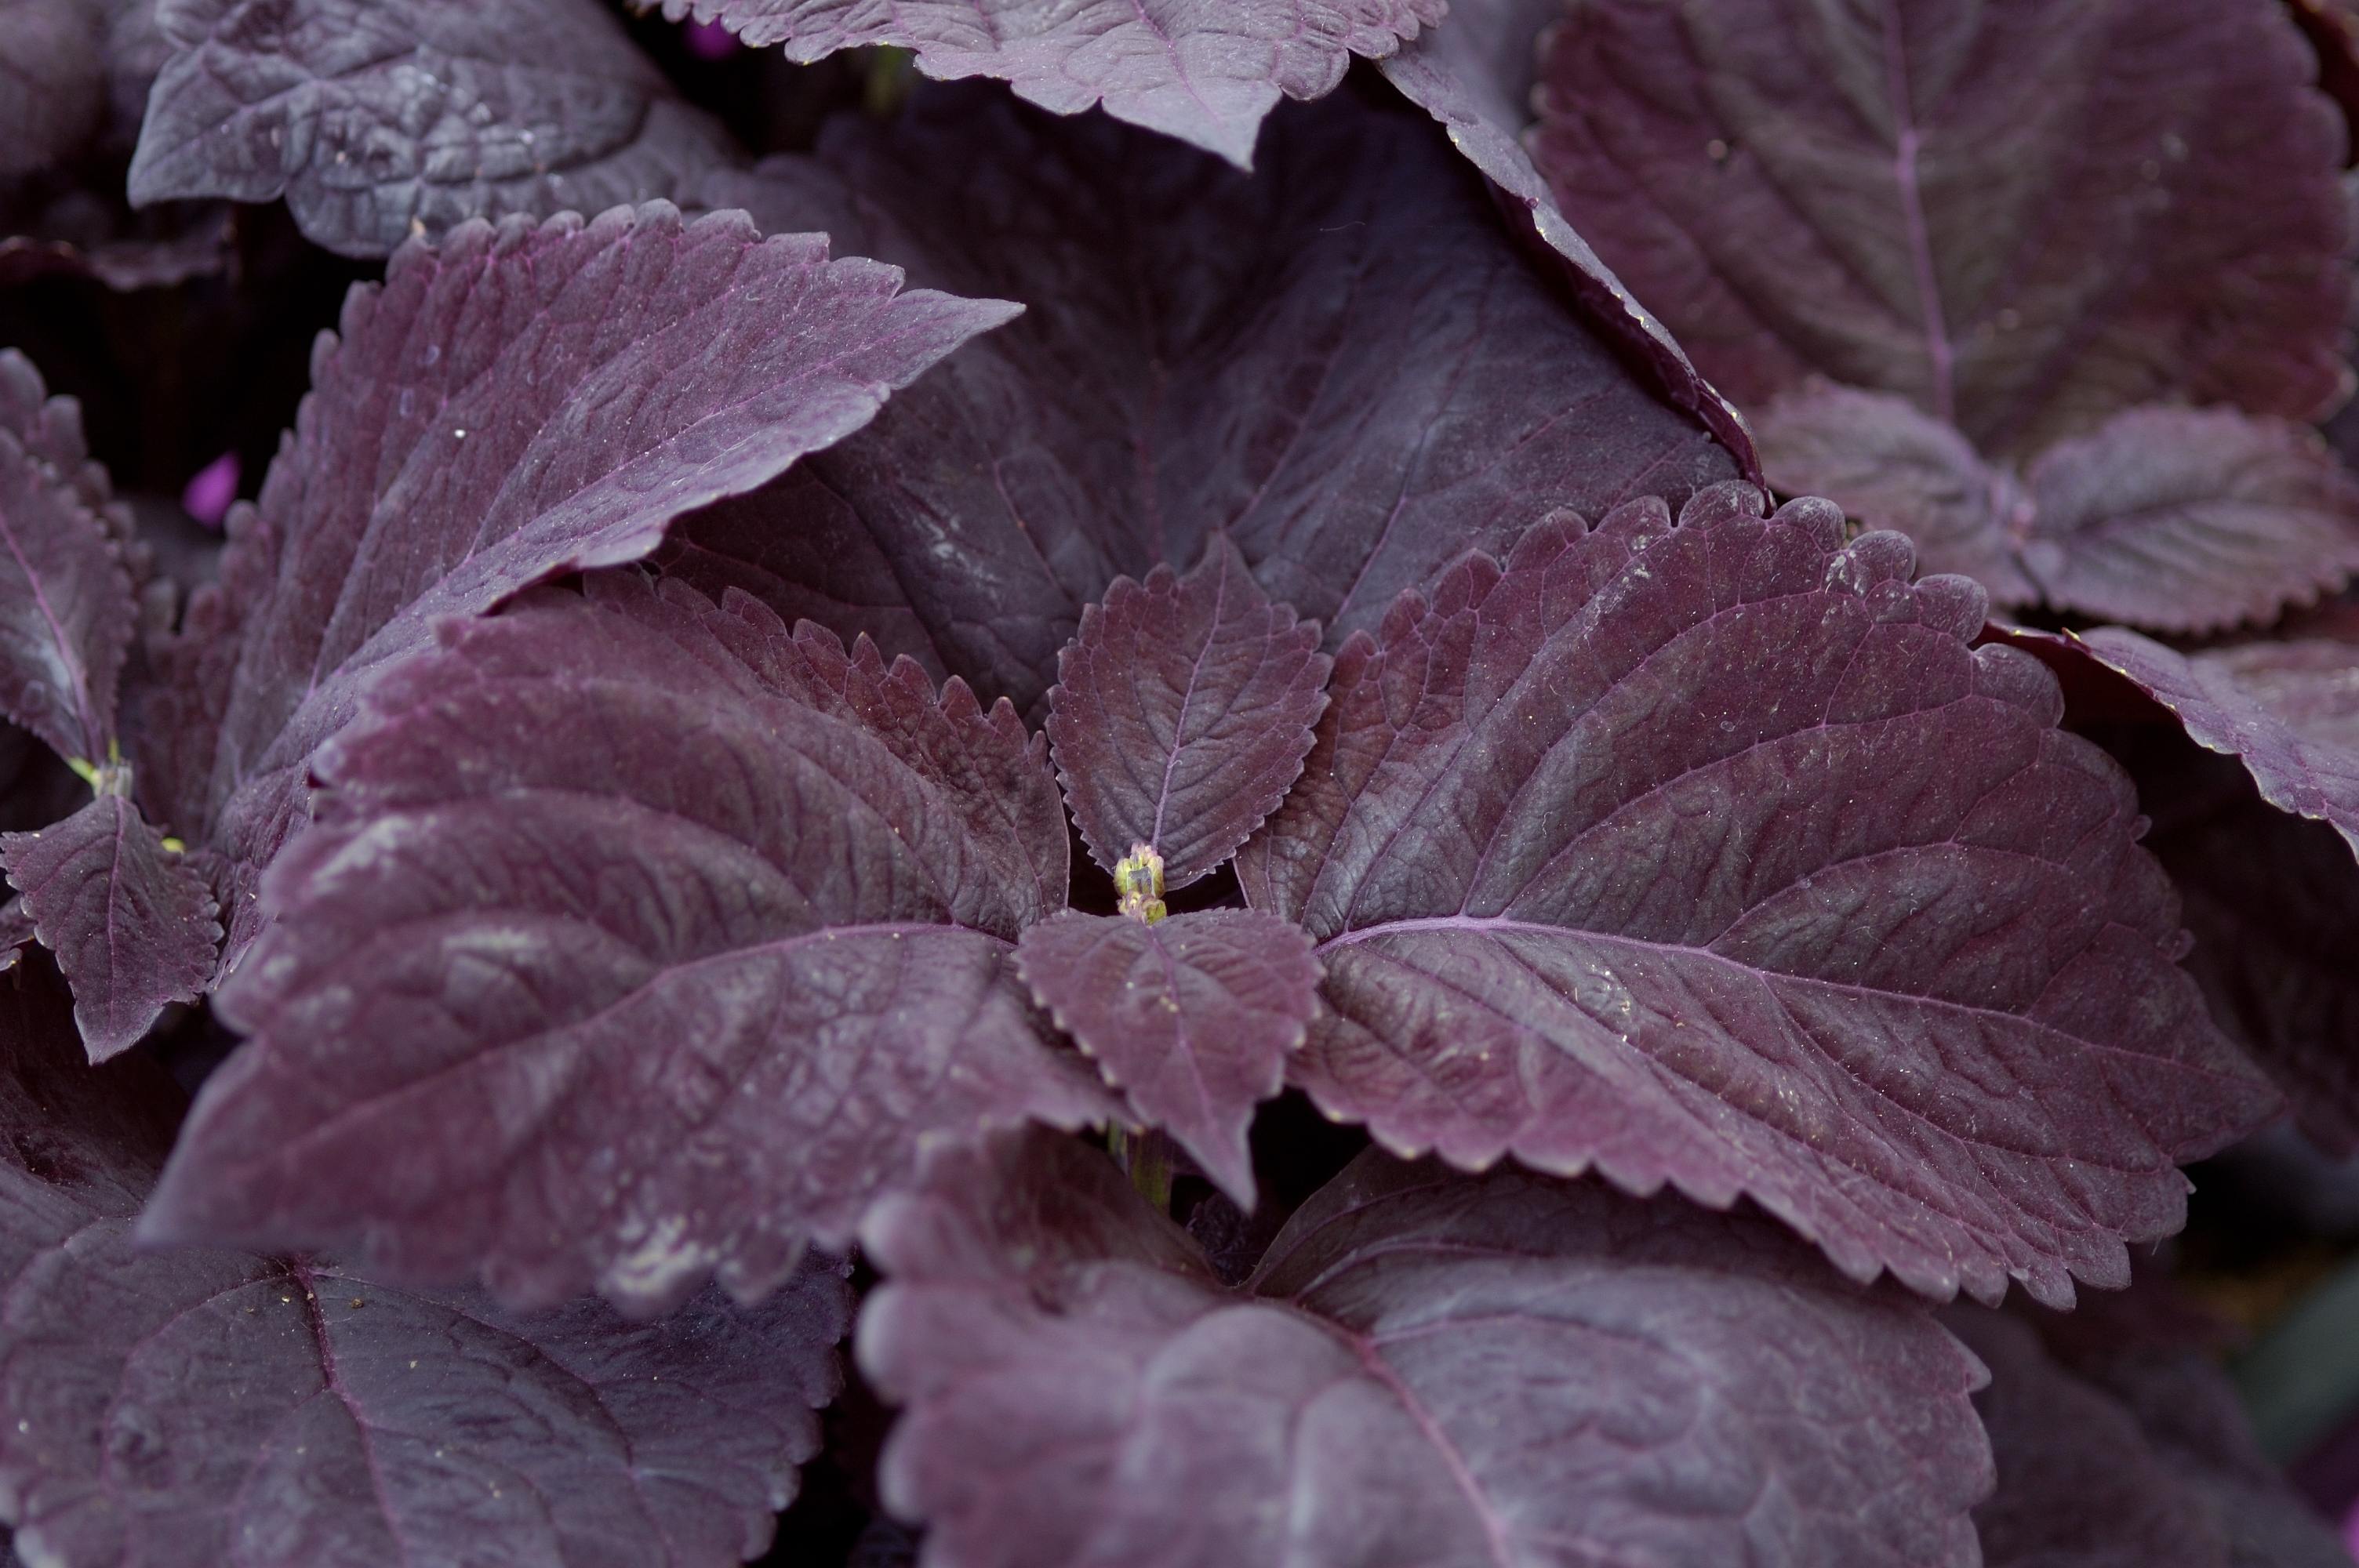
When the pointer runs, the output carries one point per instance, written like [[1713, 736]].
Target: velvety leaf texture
[[1474, 77], [379, 120], [66, 609], [2190, 521], [186, 1409], [2145, 1463], [2289, 710], [1712, 855], [1341, 361], [1892, 197], [1193, 1017], [1181, 713], [1425, 1361], [528, 400], [1891, 467], [132, 925], [1206, 74], [640, 939]]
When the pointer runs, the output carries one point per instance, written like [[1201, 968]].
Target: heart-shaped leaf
[[1182, 709]]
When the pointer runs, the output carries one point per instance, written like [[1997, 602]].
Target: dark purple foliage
[[132, 926], [576, 1011], [1340, 361], [75, 76], [379, 120], [2023, 216], [666, 738], [1206, 73], [2273, 902], [2143, 1460], [66, 608], [1181, 713], [1474, 76], [1420, 1360], [2289, 710], [196, 1408], [528, 400], [2184, 520], [1191, 1016], [1917, 899]]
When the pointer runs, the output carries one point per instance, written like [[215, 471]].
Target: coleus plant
[[733, 740]]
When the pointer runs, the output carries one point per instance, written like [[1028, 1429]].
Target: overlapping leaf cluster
[[763, 720]]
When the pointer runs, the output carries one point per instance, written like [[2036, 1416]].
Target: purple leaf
[[1890, 467], [1852, 192], [1437, 1370], [2274, 901], [1206, 74], [66, 605], [2289, 710], [1182, 711], [1193, 1017], [639, 940], [1712, 855], [2176, 518], [2143, 1462], [196, 1407], [1474, 76], [488, 423], [132, 925], [1341, 361], [380, 120], [2190, 521]]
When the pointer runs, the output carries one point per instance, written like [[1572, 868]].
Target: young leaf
[[1181, 713], [1886, 464], [132, 925], [66, 607], [1474, 77], [380, 120], [2289, 710], [1343, 363], [2190, 521], [209, 1407], [2148, 1460], [1206, 74], [2024, 217], [1432, 1369], [1712, 855], [625, 952], [488, 422], [1193, 1017]]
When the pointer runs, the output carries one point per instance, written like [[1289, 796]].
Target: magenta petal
[[208, 495]]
